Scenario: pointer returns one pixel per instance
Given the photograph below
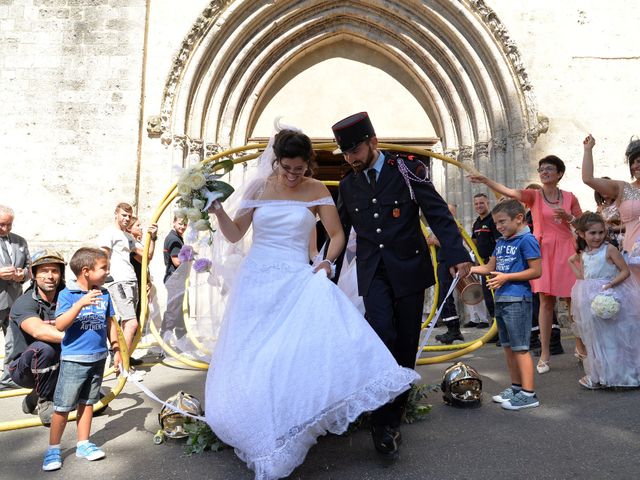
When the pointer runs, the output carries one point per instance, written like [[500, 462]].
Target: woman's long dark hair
[[583, 224]]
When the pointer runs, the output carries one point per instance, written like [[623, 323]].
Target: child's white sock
[[516, 387], [55, 446], [528, 393], [81, 442]]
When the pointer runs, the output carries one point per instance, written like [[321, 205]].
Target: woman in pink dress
[[553, 210], [626, 193]]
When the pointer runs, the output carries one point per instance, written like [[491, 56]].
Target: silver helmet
[[172, 422], [461, 386]]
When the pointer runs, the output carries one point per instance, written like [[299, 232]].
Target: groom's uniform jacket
[[387, 222]]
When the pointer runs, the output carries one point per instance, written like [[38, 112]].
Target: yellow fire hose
[[144, 301], [35, 421]]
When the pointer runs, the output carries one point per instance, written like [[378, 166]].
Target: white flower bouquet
[[198, 187], [605, 306]]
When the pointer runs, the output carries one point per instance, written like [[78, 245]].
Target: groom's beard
[[371, 158]]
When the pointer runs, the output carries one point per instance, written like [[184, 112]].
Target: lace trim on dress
[[246, 204], [292, 448]]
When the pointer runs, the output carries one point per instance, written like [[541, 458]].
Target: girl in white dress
[[606, 309], [294, 358]]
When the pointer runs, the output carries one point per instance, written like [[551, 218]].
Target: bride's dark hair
[[292, 144]]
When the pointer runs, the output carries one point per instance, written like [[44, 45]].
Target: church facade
[[104, 100]]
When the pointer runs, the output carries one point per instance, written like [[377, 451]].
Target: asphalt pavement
[[574, 434]]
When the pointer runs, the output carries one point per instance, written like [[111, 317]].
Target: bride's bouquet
[[605, 306], [198, 187]]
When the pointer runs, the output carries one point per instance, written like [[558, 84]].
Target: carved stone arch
[[466, 71]]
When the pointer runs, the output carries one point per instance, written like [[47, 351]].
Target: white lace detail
[[292, 448], [248, 204]]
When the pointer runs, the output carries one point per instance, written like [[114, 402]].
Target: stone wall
[[71, 72]]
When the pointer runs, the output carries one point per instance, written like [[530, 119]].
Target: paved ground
[[574, 434]]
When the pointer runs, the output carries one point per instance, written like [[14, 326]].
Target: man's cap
[[351, 131], [45, 256]]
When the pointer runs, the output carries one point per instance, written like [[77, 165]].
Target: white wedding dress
[[294, 358]]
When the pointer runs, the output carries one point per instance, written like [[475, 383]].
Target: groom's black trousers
[[397, 321]]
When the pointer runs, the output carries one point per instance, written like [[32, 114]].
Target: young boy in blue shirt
[[85, 313], [515, 261]]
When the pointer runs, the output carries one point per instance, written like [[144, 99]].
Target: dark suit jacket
[[387, 223], [10, 290]]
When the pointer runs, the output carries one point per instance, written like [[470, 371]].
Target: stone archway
[[455, 56]]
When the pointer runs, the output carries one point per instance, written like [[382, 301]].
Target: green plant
[[201, 438], [417, 409]]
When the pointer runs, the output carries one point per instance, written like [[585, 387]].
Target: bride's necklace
[[559, 198]]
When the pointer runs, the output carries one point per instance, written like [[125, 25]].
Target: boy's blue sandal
[[90, 452], [520, 401], [52, 460]]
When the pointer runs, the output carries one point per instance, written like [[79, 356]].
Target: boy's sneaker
[[504, 396], [52, 460], [89, 451], [520, 400]]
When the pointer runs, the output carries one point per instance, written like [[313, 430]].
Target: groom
[[392, 258]]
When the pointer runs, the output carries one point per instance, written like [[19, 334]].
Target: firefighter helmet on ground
[[461, 386]]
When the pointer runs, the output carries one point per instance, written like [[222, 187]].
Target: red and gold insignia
[[395, 212]]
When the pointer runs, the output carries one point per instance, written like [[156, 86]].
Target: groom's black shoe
[[386, 440]]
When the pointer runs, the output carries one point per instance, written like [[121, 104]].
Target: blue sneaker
[[520, 401], [90, 452], [504, 396], [52, 460]]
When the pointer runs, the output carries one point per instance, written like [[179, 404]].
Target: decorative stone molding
[[178, 142], [501, 34], [189, 44], [499, 144], [518, 140], [154, 126], [481, 149], [453, 153], [466, 154], [542, 126]]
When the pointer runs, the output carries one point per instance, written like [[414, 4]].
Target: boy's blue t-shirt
[[512, 255], [86, 339]]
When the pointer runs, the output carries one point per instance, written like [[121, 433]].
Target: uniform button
[[417, 251], [374, 200], [395, 202], [378, 230], [376, 215], [381, 245]]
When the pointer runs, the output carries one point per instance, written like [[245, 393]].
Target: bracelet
[[332, 266], [573, 219]]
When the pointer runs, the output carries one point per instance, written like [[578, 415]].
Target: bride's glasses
[[293, 170]]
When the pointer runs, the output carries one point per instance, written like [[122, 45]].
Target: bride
[[294, 358]]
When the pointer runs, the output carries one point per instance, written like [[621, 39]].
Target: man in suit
[[14, 271], [382, 199]]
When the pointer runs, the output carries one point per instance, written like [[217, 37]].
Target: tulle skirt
[[613, 344], [294, 360]]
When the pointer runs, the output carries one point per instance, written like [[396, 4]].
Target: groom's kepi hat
[[351, 131]]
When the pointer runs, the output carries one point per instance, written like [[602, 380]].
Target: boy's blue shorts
[[514, 322], [78, 383]]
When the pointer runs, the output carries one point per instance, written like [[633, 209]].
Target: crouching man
[[35, 358]]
